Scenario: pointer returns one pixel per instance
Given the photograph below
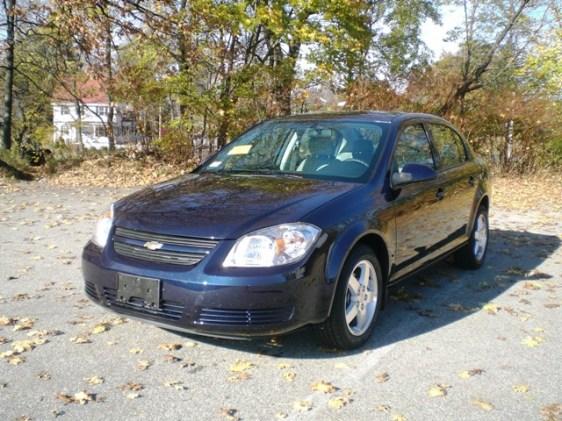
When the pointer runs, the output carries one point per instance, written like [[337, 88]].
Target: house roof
[[91, 91]]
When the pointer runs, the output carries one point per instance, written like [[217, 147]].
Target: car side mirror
[[413, 173]]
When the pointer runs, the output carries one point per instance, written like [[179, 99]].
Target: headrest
[[362, 149], [322, 145]]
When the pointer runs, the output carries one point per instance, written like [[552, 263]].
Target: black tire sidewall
[[338, 310]]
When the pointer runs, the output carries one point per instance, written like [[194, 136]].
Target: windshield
[[336, 150]]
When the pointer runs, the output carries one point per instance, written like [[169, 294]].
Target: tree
[[9, 8]]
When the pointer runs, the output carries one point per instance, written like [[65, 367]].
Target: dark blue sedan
[[304, 220]]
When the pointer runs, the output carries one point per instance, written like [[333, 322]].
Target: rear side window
[[449, 146], [412, 148]]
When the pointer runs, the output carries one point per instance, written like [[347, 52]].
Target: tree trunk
[[108, 45], [9, 7]]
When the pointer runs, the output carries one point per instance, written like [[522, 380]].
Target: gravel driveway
[[450, 345]]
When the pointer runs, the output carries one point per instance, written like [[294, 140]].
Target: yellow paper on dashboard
[[240, 150]]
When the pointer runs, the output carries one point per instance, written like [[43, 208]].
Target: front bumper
[[214, 305]]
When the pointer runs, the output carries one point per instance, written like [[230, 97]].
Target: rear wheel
[[357, 302], [472, 255]]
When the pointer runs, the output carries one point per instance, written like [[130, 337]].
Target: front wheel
[[472, 255], [357, 302]]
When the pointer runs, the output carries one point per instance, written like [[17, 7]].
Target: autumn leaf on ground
[[438, 390], [176, 384], [323, 386], [7, 321], [230, 414], [15, 360], [382, 377], [44, 375], [467, 374], [80, 339], [170, 347], [491, 308], [81, 398], [169, 358], [133, 395], [289, 376], [190, 344], [240, 366], [485, 405], [23, 346], [398, 417], [520, 388], [302, 406], [552, 412], [4, 340], [23, 324], [383, 408], [532, 341], [131, 387], [143, 365], [281, 415], [100, 328], [283, 366], [117, 321], [94, 380], [338, 402], [135, 351]]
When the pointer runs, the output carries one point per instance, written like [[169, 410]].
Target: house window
[[102, 110], [100, 131], [88, 130], [64, 109]]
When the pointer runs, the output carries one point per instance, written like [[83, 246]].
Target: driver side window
[[412, 147]]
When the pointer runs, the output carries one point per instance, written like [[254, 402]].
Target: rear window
[[449, 146]]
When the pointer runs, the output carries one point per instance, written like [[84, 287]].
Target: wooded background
[[207, 69]]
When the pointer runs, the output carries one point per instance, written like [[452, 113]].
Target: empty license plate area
[[133, 288]]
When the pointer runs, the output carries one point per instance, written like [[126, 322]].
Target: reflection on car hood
[[223, 206]]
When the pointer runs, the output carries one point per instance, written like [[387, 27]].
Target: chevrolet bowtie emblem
[[153, 245]]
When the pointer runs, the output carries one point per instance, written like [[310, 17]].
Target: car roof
[[377, 116]]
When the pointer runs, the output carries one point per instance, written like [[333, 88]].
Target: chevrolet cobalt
[[304, 220]]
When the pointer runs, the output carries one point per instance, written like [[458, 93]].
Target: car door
[[417, 206], [456, 174]]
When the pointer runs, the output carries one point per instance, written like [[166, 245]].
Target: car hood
[[223, 206]]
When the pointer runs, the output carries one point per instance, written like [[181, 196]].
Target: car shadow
[[434, 298]]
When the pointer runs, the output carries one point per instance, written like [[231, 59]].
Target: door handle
[[440, 194], [471, 180]]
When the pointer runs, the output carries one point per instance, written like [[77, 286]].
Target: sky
[[434, 34]]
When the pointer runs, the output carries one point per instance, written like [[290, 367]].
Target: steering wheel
[[357, 161]]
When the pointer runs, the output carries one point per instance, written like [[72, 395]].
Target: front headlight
[[273, 246], [103, 228]]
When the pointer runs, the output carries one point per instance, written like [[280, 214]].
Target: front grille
[[175, 250], [218, 316], [91, 291], [169, 310]]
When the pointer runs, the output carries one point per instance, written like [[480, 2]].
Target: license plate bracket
[[147, 289]]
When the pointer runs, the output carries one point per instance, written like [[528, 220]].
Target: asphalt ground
[[451, 344]]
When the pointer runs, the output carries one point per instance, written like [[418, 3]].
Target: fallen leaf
[[491, 308], [289, 376], [229, 414], [23, 346], [83, 398], [471, 373], [100, 328], [176, 384], [94, 380], [80, 339], [143, 365], [302, 406], [323, 386], [170, 347], [131, 386], [338, 402], [23, 324], [240, 366], [133, 395], [438, 390], [486, 406], [383, 408], [532, 341], [398, 417], [281, 415], [552, 412], [520, 388], [135, 351], [382, 377]]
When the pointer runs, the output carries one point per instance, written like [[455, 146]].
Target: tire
[[352, 297], [473, 254]]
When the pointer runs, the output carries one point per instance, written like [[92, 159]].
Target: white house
[[90, 126]]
